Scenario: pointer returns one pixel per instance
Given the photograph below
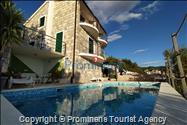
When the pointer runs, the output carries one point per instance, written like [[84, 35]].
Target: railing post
[[171, 75], [179, 64], [167, 73]]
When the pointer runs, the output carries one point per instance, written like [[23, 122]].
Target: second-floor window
[[59, 42], [42, 21], [91, 46]]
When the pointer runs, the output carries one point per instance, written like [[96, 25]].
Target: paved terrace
[[172, 105], [9, 114]]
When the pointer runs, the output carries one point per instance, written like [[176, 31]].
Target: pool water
[[100, 102]]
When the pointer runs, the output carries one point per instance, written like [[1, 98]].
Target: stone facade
[[33, 21], [62, 15]]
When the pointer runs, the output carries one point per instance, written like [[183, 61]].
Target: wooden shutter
[[59, 38]]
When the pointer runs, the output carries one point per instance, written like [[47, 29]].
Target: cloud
[[150, 8], [125, 16], [140, 51], [154, 62], [119, 11], [114, 37], [121, 29]]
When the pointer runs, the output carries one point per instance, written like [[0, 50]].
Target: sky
[[136, 30]]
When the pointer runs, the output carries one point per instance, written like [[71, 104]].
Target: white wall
[[49, 64], [33, 63], [39, 66]]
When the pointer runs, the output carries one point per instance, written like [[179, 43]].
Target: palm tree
[[167, 54], [10, 28]]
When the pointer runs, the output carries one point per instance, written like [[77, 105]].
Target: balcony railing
[[98, 53], [90, 28], [39, 40], [92, 57], [103, 42]]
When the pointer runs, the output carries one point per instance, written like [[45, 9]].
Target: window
[[42, 21], [59, 40], [91, 46]]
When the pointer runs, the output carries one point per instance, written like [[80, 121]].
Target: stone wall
[[63, 21], [64, 15], [82, 44], [34, 20]]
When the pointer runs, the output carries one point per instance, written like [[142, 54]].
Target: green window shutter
[[59, 37]]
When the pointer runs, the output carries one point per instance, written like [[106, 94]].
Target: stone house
[[62, 33]]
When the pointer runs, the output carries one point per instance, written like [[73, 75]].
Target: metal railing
[[83, 20], [39, 40]]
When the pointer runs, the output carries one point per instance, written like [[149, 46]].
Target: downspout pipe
[[74, 43]]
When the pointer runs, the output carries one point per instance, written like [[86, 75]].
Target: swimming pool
[[114, 101]]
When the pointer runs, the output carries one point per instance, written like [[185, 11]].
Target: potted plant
[[59, 71]]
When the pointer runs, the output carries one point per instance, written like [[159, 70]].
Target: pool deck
[[170, 104], [9, 114]]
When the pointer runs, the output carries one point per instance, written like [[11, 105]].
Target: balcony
[[92, 57], [38, 45], [90, 29], [102, 41]]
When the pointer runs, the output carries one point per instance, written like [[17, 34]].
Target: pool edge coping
[[75, 84]]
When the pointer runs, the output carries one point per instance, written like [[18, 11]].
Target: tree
[[171, 59], [124, 64], [167, 54], [112, 60], [10, 27], [183, 52], [132, 66]]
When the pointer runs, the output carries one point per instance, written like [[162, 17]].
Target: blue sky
[[137, 30]]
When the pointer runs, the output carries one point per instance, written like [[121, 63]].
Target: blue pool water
[[118, 101]]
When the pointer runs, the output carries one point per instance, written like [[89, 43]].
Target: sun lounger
[[27, 81], [95, 79]]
